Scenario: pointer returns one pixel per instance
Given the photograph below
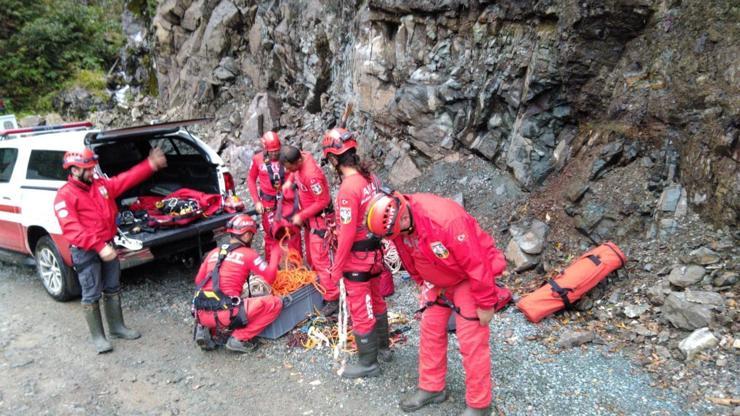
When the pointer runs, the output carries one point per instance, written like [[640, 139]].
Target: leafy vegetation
[[49, 45], [143, 8]]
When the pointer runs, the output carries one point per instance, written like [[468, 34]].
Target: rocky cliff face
[[522, 84]]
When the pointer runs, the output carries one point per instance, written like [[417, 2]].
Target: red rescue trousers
[[387, 288], [364, 301], [318, 254], [294, 242], [474, 346], [261, 312]]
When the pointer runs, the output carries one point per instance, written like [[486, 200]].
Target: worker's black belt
[[268, 197], [371, 244], [320, 233], [324, 212], [328, 210], [359, 276]]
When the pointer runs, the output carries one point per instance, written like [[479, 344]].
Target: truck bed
[[167, 235]]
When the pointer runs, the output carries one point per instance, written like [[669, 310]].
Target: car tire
[[59, 280]]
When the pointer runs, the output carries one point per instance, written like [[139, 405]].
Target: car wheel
[[59, 280]]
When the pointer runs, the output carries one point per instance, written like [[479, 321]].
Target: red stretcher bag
[[574, 282]]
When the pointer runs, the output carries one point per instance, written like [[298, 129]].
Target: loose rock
[[725, 279], [522, 261], [704, 256], [634, 311], [685, 276], [571, 339], [684, 314]]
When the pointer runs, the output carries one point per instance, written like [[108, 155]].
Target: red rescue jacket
[[351, 203], [313, 190], [236, 268], [262, 178], [448, 246], [87, 213]]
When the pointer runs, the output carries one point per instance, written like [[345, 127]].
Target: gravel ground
[[530, 378]]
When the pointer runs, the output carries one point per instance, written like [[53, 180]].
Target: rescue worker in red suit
[[316, 208], [456, 263], [234, 271], [265, 180], [359, 257], [86, 209]]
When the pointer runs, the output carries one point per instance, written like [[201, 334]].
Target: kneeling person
[[220, 281]]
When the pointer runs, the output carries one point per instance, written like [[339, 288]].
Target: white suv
[[31, 173]]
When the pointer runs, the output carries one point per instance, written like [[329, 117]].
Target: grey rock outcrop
[[519, 83]]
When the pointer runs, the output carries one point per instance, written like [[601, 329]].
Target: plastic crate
[[295, 309]]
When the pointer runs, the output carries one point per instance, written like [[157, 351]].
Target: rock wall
[[523, 84]]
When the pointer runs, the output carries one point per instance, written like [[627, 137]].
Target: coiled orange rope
[[293, 274]]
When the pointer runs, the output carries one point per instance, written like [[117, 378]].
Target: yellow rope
[[294, 274]]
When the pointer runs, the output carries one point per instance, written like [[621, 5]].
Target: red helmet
[[384, 212], [337, 141], [240, 225], [271, 142], [84, 160]]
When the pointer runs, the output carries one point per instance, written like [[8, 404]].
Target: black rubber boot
[[95, 323], [384, 342], [367, 360], [235, 345], [330, 308], [471, 411], [421, 398], [114, 315], [203, 338]]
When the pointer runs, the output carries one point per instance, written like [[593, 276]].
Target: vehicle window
[[46, 165], [7, 163], [174, 146], [120, 153], [7, 125], [165, 144]]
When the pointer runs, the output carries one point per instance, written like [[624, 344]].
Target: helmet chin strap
[[241, 241], [410, 228]]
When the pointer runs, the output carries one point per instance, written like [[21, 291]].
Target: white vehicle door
[[44, 176], [11, 232]]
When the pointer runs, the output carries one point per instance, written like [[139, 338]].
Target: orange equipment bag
[[570, 285]]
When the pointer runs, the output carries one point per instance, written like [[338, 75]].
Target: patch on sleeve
[[261, 264], [316, 188], [440, 250], [63, 213], [103, 192], [345, 215], [60, 205]]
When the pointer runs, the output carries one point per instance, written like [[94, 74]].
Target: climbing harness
[[215, 300], [442, 300]]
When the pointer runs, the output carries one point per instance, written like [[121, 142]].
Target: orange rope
[[293, 275]]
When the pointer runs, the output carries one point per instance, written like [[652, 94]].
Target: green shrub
[[93, 81], [53, 43]]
